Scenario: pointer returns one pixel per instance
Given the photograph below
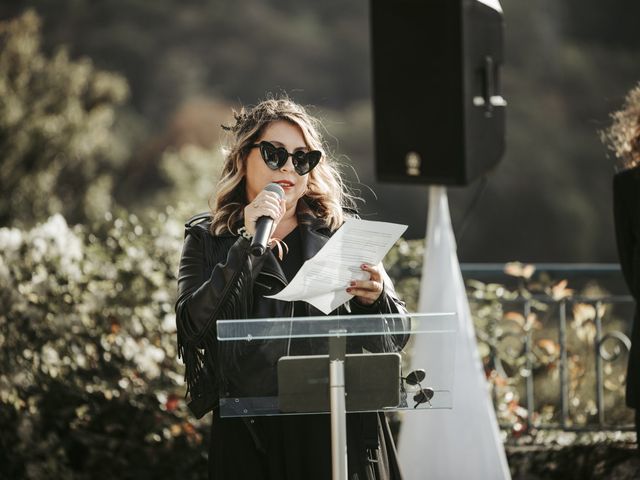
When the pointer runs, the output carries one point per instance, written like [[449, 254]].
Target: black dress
[[626, 206], [296, 447]]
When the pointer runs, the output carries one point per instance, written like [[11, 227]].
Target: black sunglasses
[[276, 157], [424, 395]]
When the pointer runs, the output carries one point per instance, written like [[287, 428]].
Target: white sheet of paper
[[322, 280]]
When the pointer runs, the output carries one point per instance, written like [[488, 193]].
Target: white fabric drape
[[462, 443]]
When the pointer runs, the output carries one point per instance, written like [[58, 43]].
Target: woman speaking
[[276, 141]]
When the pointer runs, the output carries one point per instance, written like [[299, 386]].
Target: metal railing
[[556, 363]]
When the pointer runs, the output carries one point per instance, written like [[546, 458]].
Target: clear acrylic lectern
[[335, 364]]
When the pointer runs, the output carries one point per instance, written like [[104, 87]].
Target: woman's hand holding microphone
[[266, 204]]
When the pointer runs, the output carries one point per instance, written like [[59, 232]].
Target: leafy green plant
[[57, 146], [90, 384]]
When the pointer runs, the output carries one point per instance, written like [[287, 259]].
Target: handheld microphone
[[264, 225]]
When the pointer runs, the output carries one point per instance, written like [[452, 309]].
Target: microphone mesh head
[[275, 188]]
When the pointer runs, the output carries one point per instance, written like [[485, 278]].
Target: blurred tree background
[[110, 118], [186, 63]]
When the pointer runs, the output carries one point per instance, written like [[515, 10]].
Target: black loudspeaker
[[439, 117]]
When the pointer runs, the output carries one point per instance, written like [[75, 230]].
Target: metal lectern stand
[[337, 393], [348, 379]]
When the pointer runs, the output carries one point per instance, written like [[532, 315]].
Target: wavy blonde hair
[[326, 197], [623, 136]]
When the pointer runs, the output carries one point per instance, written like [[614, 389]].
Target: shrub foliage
[[90, 384], [57, 146]]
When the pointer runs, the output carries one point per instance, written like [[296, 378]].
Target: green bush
[[57, 146], [90, 384]]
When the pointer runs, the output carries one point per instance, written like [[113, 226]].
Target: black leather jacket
[[218, 278]]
